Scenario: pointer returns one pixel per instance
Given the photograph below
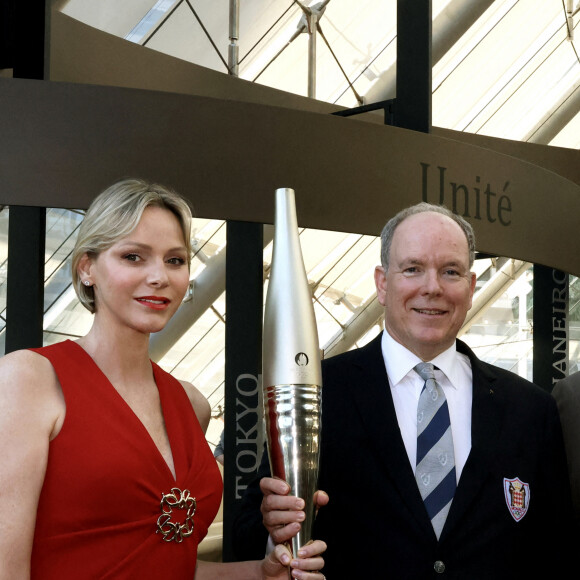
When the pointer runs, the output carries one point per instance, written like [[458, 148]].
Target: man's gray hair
[[390, 227]]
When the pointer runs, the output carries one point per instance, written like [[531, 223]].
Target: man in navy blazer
[[510, 516]]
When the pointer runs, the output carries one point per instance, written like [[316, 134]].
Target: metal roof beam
[[449, 26], [556, 119], [492, 290], [365, 317]]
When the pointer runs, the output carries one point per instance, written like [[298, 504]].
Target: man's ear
[[381, 284], [472, 283]]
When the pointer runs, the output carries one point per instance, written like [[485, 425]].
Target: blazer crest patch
[[517, 497]]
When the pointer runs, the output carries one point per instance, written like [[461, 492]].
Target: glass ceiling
[[504, 68]]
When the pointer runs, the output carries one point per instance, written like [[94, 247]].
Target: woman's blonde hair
[[114, 214]]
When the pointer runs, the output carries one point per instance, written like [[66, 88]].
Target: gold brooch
[[180, 500]]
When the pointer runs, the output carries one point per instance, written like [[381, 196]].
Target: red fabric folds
[[101, 499]]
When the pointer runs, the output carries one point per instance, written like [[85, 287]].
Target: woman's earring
[[86, 283]]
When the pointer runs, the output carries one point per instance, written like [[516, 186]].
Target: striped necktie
[[435, 473]]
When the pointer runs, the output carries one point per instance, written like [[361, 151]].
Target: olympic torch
[[292, 377]]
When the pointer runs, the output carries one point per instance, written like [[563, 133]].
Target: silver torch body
[[291, 375]]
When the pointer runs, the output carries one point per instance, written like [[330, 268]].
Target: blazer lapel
[[374, 403], [487, 416]]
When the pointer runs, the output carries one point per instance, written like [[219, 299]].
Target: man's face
[[428, 288]]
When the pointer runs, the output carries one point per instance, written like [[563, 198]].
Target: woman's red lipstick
[[154, 302]]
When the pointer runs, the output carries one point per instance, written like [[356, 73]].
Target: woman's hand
[[306, 566]]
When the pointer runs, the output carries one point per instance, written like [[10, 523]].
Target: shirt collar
[[399, 361]]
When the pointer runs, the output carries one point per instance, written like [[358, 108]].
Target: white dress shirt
[[454, 376]]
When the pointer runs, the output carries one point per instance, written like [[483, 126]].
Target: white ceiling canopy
[[500, 68]]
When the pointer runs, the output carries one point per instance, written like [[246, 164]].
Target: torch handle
[[293, 431]]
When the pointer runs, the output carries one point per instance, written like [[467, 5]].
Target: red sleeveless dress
[[110, 506]]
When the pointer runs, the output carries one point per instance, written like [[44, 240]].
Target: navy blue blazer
[[376, 525]]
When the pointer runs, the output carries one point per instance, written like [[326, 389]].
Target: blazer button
[[439, 567]]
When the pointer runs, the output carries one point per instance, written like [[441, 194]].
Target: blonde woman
[[105, 471]]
